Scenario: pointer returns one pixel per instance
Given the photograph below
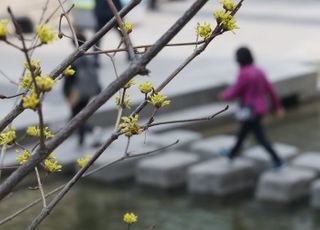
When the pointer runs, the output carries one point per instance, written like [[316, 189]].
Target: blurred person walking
[[252, 88], [103, 14], [80, 88]]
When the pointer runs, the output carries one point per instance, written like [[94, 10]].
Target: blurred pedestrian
[[80, 88], [103, 14], [252, 88]]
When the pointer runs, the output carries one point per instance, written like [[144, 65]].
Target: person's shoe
[[226, 154]]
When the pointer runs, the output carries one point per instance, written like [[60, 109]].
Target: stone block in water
[[308, 160], [262, 157], [221, 177], [185, 137], [166, 170], [315, 194], [285, 185], [119, 171], [211, 147]]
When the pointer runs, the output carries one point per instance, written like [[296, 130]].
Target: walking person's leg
[[262, 139], [242, 134], [82, 128]]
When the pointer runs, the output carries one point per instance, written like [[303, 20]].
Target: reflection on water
[[96, 206]]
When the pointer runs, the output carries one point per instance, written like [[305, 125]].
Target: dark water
[[96, 206]]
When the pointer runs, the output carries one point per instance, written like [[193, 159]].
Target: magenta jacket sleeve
[[235, 90], [276, 104]]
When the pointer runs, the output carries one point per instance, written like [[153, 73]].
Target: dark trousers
[[83, 127], [254, 125]]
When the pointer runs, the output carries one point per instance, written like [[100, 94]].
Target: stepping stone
[[211, 147], [285, 185], [122, 170], [166, 170], [308, 160], [185, 137], [315, 194], [262, 157], [221, 177]]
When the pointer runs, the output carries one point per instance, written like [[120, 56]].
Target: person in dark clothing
[[81, 87], [252, 88], [103, 14]]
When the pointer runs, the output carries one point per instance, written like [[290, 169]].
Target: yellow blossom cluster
[[129, 84], [128, 26], [23, 157], [129, 126], [126, 103], [83, 161], [3, 28], [228, 5], [224, 18], [51, 164], [146, 87], [8, 137], [227, 20], [26, 82], [130, 218], [204, 30], [44, 84], [30, 101], [159, 100], [45, 34], [34, 131], [69, 71], [35, 66]]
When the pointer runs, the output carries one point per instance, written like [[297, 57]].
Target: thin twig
[[12, 96], [8, 78], [186, 120], [125, 35], [144, 47], [66, 16], [40, 187]]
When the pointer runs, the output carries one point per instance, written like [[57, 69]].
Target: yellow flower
[[204, 30], [127, 26], [52, 165], [8, 137], [3, 28], [129, 84], [23, 157], [83, 161], [126, 102], [158, 100], [146, 87], [34, 131], [69, 71], [45, 84], [130, 218], [228, 5], [46, 35], [27, 82], [228, 21], [31, 102], [35, 66], [219, 15], [129, 126]]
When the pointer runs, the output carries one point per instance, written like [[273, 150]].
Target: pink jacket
[[252, 88]]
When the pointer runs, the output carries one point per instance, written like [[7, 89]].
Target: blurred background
[[284, 36]]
